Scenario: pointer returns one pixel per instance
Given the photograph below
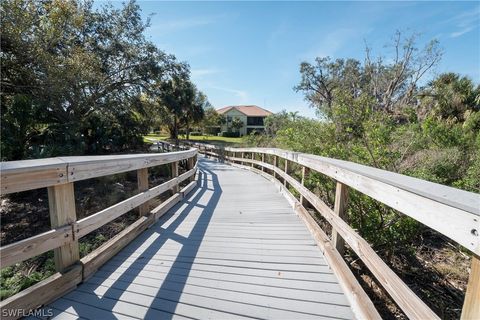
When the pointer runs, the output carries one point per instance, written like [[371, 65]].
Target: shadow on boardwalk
[[233, 249], [183, 260]]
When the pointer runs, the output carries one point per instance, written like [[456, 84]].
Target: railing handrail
[[450, 211], [447, 210], [23, 175], [460, 199], [59, 175]]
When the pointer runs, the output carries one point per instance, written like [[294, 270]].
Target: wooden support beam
[[61, 201], [174, 175], [340, 209], [142, 180], [286, 171], [275, 164], [263, 160], [190, 165], [471, 304], [305, 172]]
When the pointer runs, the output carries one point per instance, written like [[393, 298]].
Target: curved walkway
[[232, 249]]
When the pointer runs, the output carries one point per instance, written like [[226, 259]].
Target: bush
[[212, 130], [230, 134]]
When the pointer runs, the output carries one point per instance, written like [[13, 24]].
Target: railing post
[[263, 160], [190, 165], [176, 188], [243, 157], [253, 157], [61, 202], [286, 171], [340, 209], [305, 172], [275, 160], [142, 181], [471, 304]]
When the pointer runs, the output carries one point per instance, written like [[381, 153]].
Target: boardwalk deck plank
[[233, 249]]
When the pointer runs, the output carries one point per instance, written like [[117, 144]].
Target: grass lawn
[[216, 140], [206, 139], [154, 137]]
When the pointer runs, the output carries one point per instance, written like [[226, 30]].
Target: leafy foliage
[[380, 118], [77, 80]]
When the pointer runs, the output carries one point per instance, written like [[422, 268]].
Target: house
[[251, 116]]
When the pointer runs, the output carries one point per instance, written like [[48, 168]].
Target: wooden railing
[[452, 212], [59, 175]]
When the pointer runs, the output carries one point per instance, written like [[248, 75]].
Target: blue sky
[[249, 52]]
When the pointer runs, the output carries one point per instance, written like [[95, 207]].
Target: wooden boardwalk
[[232, 249]]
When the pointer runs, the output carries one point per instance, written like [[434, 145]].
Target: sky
[[250, 52]]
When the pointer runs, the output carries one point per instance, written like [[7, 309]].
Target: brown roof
[[252, 111]]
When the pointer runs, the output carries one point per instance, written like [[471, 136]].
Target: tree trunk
[[175, 130]]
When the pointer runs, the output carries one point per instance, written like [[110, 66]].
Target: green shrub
[[230, 134]]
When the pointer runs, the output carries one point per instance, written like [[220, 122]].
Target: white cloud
[[167, 26], [200, 73], [461, 32], [465, 22], [242, 96], [332, 42]]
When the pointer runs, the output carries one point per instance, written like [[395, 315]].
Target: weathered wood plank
[[61, 202], [41, 293], [340, 209], [305, 172], [95, 221], [361, 304], [166, 205], [174, 174], [471, 305], [25, 175], [33, 246], [408, 301], [94, 260], [81, 168], [31, 174], [457, 224], [142, 181], [203, 260]]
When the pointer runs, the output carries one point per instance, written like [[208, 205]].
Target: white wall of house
[[235, 114]]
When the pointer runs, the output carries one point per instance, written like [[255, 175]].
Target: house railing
[[452, 212], [59, 176]]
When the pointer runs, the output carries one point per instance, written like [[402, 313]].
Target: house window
[[229, 119], [255, 121]]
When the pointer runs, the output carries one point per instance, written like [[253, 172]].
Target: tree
[[279, 120], [211, 120], [73, 85], [194, 113], [180, 103], [392, 85], [450, 96], [237, 124]]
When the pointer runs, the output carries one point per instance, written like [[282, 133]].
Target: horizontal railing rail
[[59, 175], [452, 212]]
